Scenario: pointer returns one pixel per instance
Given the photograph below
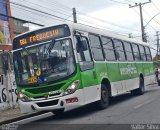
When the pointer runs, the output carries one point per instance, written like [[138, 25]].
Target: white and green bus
[[63, 67]]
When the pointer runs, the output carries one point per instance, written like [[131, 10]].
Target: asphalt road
[[124, 109]]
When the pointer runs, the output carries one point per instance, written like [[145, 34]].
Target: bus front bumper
[[67, 102]]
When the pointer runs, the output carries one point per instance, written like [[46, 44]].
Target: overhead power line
[[104, 21], [36, 16], [151, 16], [43, 12], [57, 11], [25, 21], [119, 2], [49, 14], [27, 15], [130, 1], [62, 7], [93, 17], [54, 8], [155, 6], [144, 20], [64, 19], [29, 9], [20, 12]]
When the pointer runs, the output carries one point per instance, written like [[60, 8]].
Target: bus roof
[[94, 30], [104, 32]]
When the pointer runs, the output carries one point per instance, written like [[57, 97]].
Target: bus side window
[[119, 50], [142, 53], [136, 52], [83, 53], [108, 49], [82, 49], [128, 51], [148, 54], [96, 47]]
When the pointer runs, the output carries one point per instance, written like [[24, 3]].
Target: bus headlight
[[72, 88], [23, 97]]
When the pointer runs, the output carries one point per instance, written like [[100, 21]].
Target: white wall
[[7, 86]]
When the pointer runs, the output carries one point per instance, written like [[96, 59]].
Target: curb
[[151, 84], [21, 118]]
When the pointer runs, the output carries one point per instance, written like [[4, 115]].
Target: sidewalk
[[9, 114], [12, 115]]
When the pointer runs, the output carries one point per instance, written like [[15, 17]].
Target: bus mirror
[[76, 33]]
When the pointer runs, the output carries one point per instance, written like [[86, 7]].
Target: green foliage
[[156, 60]]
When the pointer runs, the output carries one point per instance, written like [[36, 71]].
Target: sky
[[112, 15]]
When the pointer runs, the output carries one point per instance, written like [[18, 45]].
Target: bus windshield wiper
[[51, 46]]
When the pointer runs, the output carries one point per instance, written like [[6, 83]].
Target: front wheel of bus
[[104, 101]]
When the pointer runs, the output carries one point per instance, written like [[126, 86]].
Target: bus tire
[[141, 89], [104, 101]]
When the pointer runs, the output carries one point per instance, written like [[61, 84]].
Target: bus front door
[[87, 71]]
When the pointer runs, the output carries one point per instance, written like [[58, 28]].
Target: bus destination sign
[[41, 36]]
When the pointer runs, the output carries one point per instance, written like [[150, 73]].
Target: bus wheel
[[104, 101], [141, 89]]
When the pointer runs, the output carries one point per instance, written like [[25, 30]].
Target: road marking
[[144, 103]]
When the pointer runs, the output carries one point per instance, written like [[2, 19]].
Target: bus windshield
[[44, 63]]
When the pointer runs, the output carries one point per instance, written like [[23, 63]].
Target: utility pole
[[141, 18], [74, 16], [157, 35]]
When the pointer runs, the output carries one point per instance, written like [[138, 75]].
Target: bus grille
[[38, 97], [45, 89], [49, 103]]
